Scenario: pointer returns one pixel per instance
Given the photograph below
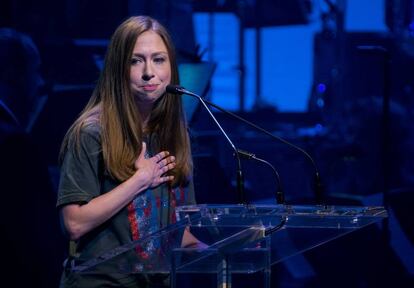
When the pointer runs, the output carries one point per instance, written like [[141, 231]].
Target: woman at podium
[[126, 161]]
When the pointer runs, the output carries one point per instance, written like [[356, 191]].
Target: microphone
[[175, 89]]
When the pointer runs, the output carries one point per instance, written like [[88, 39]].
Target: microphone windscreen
[[173, 89]]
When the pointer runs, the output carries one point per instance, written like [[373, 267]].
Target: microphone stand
[[317, 181], [239, 175]]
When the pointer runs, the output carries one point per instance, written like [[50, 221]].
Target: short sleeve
[[81, 169]]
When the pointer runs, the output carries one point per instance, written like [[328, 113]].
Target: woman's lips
[[149, 87]]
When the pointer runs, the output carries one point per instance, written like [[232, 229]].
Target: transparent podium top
[[248, 237]]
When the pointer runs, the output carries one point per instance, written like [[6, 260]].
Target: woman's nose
[[148, 73], [146, 77]]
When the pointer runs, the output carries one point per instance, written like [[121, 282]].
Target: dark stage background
[[349, 103]]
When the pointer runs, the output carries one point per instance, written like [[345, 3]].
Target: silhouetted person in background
[[30, 242]]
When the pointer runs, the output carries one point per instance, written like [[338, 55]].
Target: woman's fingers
[[162, 179], [166, 161], [143, 150], [166, 178], [167, 167], [156, 167], [160, 156], [166, 164]]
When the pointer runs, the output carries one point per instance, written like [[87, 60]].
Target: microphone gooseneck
[[318, 184], [175, 89], [280, 196]]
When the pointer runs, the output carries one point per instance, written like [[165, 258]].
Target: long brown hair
[[112, 105]]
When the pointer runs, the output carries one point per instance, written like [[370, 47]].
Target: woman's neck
[[145, 112]]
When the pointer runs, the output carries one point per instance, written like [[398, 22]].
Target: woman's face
[[150, 68]]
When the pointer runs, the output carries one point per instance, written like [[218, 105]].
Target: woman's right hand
[[152, 170], [80, 219]]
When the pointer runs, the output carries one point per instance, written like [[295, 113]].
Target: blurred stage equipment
[[197, 77], [260, 13], [257, 14], [399, 15], [362, 85], [359, 117]]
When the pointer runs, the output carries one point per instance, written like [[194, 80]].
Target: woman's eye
[[135, 61], [159, 60]]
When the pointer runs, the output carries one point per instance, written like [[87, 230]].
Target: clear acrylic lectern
[[239, 239]]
